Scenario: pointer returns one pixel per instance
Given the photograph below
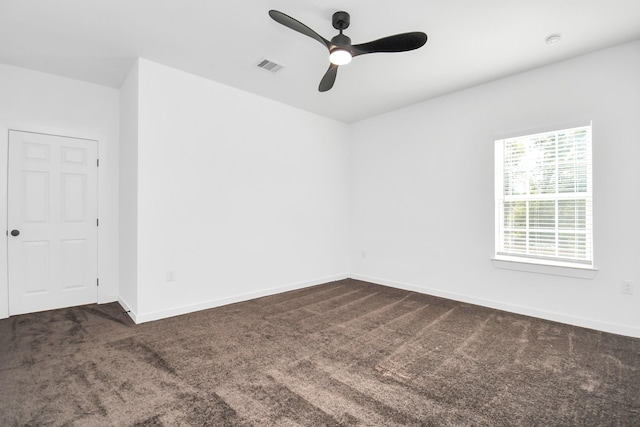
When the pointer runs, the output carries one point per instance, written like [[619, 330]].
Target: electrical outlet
[[627, 287], [171, 275]]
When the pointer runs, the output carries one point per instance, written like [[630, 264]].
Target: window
[[544, 198]]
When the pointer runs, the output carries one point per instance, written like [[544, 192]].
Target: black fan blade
[[396, 43], [298, 26], [329, 78]]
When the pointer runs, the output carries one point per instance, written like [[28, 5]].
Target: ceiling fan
[[341, 51]]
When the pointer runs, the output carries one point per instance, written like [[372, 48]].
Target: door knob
[[15, 232]]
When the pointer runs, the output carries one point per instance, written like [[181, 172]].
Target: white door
[[52, 222]]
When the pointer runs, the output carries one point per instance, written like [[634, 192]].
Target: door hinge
[[98, 162], [97, 282], [97, 222]]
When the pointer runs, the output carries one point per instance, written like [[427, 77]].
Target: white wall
[[128, 192], [239, 195], [422, 210], [35, 101]]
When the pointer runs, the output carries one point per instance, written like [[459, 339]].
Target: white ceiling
[[470, 42]]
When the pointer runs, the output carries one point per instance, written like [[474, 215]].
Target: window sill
[[555, 270]]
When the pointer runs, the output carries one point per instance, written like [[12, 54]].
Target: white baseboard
[[127, 309], [176, 311], [527, 311]]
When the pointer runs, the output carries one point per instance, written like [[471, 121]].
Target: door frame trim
[[4, 254], [4, 165]]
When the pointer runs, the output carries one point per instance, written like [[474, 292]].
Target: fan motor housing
[[341, 40]]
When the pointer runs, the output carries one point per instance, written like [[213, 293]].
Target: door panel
[[52, 202], [35, 270], [74, 198], [35, 190], [73, 262]]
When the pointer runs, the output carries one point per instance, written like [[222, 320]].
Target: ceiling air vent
[[271, 66]]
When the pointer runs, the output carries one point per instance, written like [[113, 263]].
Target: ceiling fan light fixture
[[341, 51], [340, 56]]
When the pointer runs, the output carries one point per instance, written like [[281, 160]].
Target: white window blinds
[[544, 197]]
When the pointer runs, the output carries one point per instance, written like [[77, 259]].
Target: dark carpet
[[340, 354]]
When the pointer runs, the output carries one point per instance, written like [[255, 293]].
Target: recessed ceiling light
[[553, 39]]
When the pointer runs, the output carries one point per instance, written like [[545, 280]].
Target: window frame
[[536, 263]]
